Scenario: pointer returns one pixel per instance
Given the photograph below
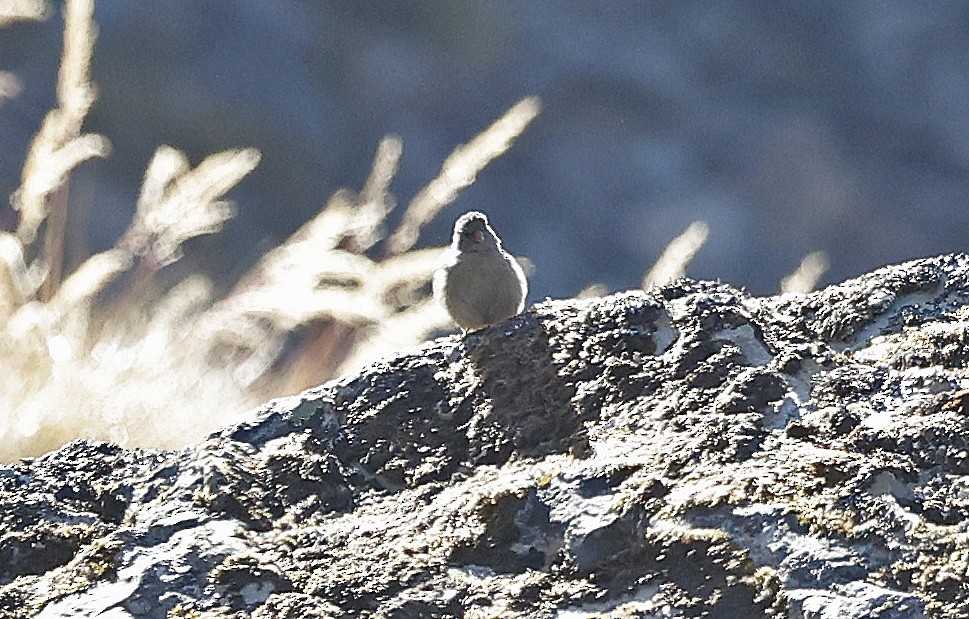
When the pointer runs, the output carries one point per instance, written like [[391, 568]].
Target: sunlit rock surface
[[689, 451]]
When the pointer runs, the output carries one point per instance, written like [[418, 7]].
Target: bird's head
[[473, 234]]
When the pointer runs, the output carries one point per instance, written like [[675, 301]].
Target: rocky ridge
[[690, 451]]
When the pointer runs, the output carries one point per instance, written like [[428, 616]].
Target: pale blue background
[[789, 126]]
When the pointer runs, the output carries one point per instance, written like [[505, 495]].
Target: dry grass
[[22, 10], [460, 170], [679, 253], [143, 365], [806, 276], [146, 365], [672, 263]]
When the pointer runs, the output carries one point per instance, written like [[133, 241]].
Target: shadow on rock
[[521, 402]]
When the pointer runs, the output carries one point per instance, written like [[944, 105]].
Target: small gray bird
[[478, 282]]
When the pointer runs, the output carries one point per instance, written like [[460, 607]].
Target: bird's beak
[[477, 236]]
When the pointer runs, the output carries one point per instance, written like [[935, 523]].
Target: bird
[[478, 282]]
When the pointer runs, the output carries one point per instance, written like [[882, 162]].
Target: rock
[[689, 451]]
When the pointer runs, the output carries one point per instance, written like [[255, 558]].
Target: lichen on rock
[[688, 451]]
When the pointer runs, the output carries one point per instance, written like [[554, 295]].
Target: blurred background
[[788, 126]]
